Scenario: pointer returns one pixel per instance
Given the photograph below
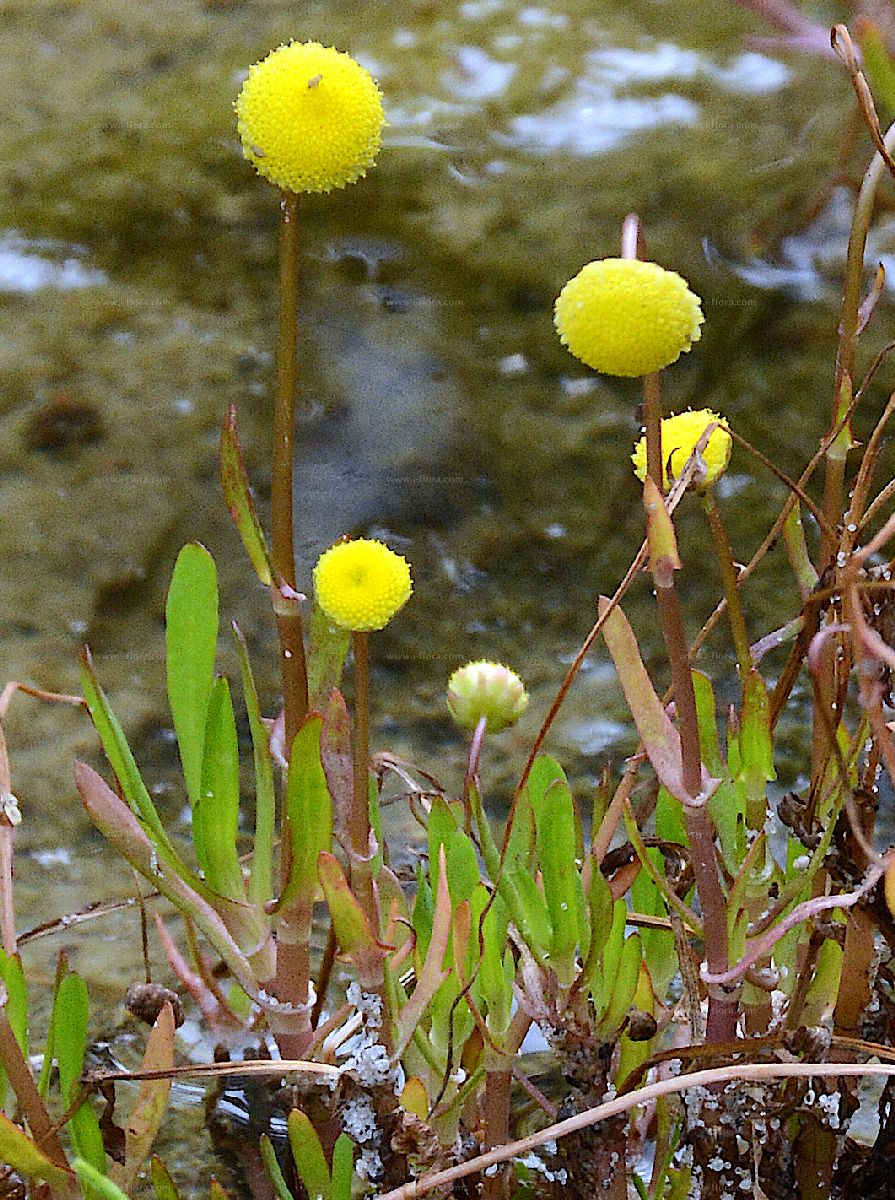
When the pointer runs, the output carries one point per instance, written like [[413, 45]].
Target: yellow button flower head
[[310, 118], [626, 317], [486, 689], [361, 584], [680, 435]]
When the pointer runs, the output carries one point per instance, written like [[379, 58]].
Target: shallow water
[[137, 287]]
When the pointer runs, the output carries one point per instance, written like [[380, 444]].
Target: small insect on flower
[[310, 118]]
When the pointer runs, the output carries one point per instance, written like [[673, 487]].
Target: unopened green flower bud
[[486, 689]]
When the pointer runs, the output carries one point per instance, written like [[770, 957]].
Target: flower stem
[[722, 1015], [293, 966], [289, 623], [359, 818], [498, 1085]]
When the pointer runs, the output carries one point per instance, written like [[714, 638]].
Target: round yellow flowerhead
[[310, 118], [680, 435], [626, 317], [361, 584], [486, 689]]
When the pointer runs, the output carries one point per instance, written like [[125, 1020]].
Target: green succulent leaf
[[122, 761], [658, 945], [600, 916], [624, 987], [216, 808], [423, 915], [269, 1158], [69, 1018], [756, 746], [310, 1160], [191, 616], [260, 888], [604, 981], [545, 772], [462, 866], [496, 989], [309, 808], [162, 1183], [327, 650], [238, 495], [19, 1152], [15, 1005], [343, 1168], [530, 911], [557, 847], [441, 825]]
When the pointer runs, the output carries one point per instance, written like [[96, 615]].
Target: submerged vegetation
[[708, 973]]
